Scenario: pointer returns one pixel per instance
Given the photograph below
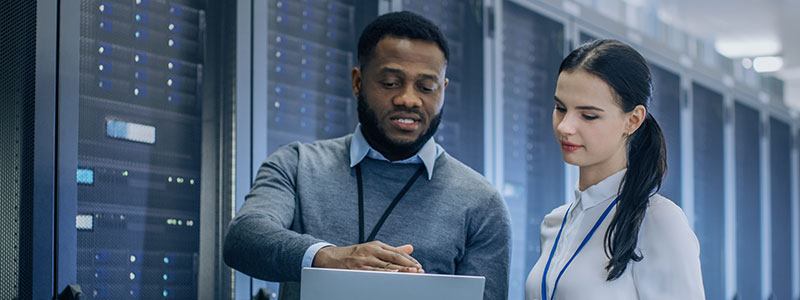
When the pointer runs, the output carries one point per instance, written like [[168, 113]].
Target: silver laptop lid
[[336, 284]]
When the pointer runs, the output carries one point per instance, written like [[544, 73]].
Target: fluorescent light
[[747, 63], [768, 63], [734, 48]]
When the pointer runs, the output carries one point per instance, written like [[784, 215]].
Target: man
[[371, 199]]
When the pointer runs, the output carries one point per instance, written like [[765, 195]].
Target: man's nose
[[407, 98]]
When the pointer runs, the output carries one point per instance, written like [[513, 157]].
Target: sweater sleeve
[[488, 245], [259, 241]]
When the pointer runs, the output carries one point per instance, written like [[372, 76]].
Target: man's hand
[[372, 256]]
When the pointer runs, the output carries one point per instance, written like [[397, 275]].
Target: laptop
[[337, 284]]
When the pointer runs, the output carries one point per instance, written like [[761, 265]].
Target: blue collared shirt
[[427, 155], [359, 148]]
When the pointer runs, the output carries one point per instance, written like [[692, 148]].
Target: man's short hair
[[402, 24]]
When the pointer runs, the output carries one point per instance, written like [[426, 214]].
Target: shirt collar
[[427, 155], [600, 192]]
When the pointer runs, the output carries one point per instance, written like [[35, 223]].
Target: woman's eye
[[588, 117], [561, 109]]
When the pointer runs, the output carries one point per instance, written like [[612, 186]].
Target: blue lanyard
[[555, 244]]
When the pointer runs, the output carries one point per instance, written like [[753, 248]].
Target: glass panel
[[709, 189], [139, 149], [461, 130], [748, 202], [780, 195], [533, 167]]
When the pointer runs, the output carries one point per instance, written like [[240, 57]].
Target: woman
[[618, 239]]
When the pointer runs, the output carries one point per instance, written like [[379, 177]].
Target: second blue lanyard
[[555, 244]]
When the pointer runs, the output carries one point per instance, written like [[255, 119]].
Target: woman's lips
[[569, 147]]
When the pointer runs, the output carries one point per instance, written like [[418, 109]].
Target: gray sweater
[[307, 193]]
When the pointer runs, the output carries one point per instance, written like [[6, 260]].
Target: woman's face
[[588, 122]]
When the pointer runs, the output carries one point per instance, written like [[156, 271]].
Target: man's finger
[[382, 265], [397, 257], [402, 253], [406, 248]]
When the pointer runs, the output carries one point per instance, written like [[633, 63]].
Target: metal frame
[[795, 207], [766, 207], [729, 157], [243, 172], [66, 192], [495, 117], [259, 129], [44, 168]]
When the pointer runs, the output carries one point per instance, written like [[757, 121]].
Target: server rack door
[[780, 195], [748, 199], [666, 109], [461, 130], [310, 54], [139, 146], [709, 186], [26, 125], [533, 166]]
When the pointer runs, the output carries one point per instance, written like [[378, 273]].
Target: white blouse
[[670, 268]]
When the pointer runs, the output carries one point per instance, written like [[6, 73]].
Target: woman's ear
[[635, 119]]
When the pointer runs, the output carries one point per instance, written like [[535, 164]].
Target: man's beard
[[375, 134]]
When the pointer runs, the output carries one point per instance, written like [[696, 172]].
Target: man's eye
[[390, 84]]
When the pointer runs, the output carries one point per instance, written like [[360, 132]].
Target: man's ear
[[355, 77]]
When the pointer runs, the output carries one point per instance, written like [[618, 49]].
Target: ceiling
[[747, 22]]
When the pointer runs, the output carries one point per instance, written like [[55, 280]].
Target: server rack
[[748, 128], [708, 122], [150, 134], [666, 109], [780, 196], [141, 73], [311, 50], [532, 48], [461, 131]]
